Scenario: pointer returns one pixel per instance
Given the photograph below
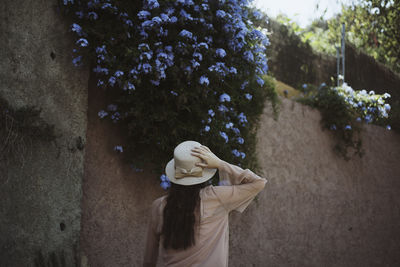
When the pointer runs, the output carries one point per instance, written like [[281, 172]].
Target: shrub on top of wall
[[344, 111], [185, 70]]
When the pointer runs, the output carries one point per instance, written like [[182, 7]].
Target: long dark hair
[[183, 203]]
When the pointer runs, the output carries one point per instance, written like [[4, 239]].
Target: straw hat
[[182, 169]]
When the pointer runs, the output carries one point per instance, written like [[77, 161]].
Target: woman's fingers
[[197, 154], [201, 165], [206, 148]]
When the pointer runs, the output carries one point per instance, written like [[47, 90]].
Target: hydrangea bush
[[183, 69], [344, 111]]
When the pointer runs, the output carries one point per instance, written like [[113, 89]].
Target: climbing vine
[[183, 70]]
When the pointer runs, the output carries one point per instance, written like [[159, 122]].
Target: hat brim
[[190, 180]]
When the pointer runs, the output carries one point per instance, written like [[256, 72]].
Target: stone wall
[[41, 191]]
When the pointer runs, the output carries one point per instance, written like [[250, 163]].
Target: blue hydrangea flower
[[146, 67], [76, 61], [185, 15], [174, 93], [243, 155], [260, 81], [257, 14], [129, 86], [205, 6], [164, 178], [236, 130], [101, 50], [386, 95], [92, 15], [242, 118], [165, 182], [220, 52], [115, 116], [368, 118], [198, 55], [112, 80], [151, 4], [220, 13], [82, 42], [204, 80], [157, 20], [240, 140], [202, 44], [129, 23], [347, 127], [387, 107], [211, 112], [229, 125], [185, 33], [224, 98], [358, 119], [304, 86], [224, 135], [106, 5], [388, 127], [222, 108], [248, 96], [206, 128], [236, 153], [76, 28], [118, 73], [118, 148], [102, 113], [244, 85], [156, 83], [248, 56]]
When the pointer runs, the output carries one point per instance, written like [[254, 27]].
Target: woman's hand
[[211, 161]]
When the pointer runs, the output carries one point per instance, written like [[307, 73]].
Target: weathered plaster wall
[[41, 194], [316, 210]]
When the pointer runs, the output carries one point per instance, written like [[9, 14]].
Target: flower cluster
[[174, 52], [369, 105], [165, 182]]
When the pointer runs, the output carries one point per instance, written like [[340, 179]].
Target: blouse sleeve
[[239, 187], [152, 237]]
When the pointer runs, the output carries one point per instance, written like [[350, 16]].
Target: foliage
[[372, 25], [344, 110], [183, 70], [19, 128]]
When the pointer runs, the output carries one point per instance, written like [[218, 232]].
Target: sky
[[301, 11]]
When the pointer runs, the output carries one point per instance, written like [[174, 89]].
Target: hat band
[[181, 172]]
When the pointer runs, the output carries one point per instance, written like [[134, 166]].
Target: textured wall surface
[[41, 192], [316, 210]]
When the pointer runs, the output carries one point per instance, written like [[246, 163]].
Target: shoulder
[[210, 192]]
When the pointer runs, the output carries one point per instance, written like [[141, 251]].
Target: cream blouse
[[212, 242]]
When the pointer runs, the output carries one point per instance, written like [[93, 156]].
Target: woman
[[191, 221]]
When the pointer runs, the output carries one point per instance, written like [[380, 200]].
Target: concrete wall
[[316, 210], [40, 195]]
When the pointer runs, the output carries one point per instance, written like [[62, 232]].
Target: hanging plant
[[184, 70]]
